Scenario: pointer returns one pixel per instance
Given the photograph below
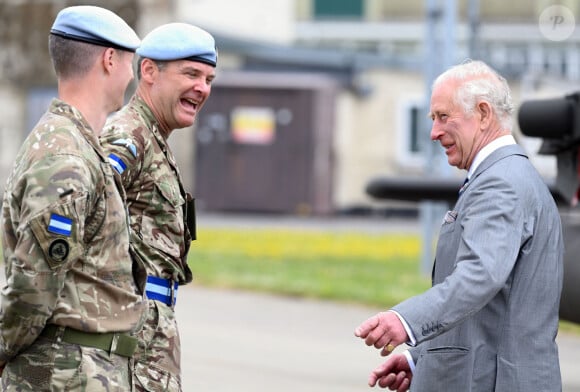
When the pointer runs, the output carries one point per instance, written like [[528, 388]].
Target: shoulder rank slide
[[127, 143]]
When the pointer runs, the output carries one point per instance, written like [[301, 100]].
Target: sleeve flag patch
[[59, 224], [117, 163]]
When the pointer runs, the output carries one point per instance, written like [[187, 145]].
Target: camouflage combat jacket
[[155, 194], [65, 237]]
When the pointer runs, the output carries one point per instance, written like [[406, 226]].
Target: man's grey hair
[[160, 65], [479, 82]]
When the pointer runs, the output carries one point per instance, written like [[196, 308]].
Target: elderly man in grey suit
[[490, 320]]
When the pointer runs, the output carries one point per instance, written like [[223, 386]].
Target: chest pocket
[[168, 189], [162, 224]]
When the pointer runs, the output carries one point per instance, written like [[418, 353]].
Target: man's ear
[[148, 69], [485, 113], [109, 57]]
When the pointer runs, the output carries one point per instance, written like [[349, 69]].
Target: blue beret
[[179, 41], [95, 25]]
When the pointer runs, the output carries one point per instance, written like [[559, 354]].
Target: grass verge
[[369, 269]]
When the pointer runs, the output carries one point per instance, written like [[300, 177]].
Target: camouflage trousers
[[48, 366], [158, 354]]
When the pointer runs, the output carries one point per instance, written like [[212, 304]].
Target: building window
[[412, 132], [414, 126], [338, 9]]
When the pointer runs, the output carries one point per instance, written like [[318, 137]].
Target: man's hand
[[384, 331], [394, 374]]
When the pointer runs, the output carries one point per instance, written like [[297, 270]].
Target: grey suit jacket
[[490, 320]]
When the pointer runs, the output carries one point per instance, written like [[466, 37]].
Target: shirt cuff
[[409, 357], [412, 341]]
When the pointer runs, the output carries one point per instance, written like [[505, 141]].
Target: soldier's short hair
[[72, 58]]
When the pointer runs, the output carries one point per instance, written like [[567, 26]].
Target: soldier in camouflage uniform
[[176, 68], [72, 298]]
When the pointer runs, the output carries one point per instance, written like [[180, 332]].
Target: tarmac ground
[[250, 342]]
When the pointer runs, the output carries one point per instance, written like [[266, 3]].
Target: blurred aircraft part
[[570, 303], [415, 189]]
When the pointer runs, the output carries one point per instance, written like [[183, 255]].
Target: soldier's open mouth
[[189, 103]]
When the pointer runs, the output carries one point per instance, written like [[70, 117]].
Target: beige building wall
[[154, 13], [271, 20], [366, 144]]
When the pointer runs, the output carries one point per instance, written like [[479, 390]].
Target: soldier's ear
[[149, 70], [108, 59]]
